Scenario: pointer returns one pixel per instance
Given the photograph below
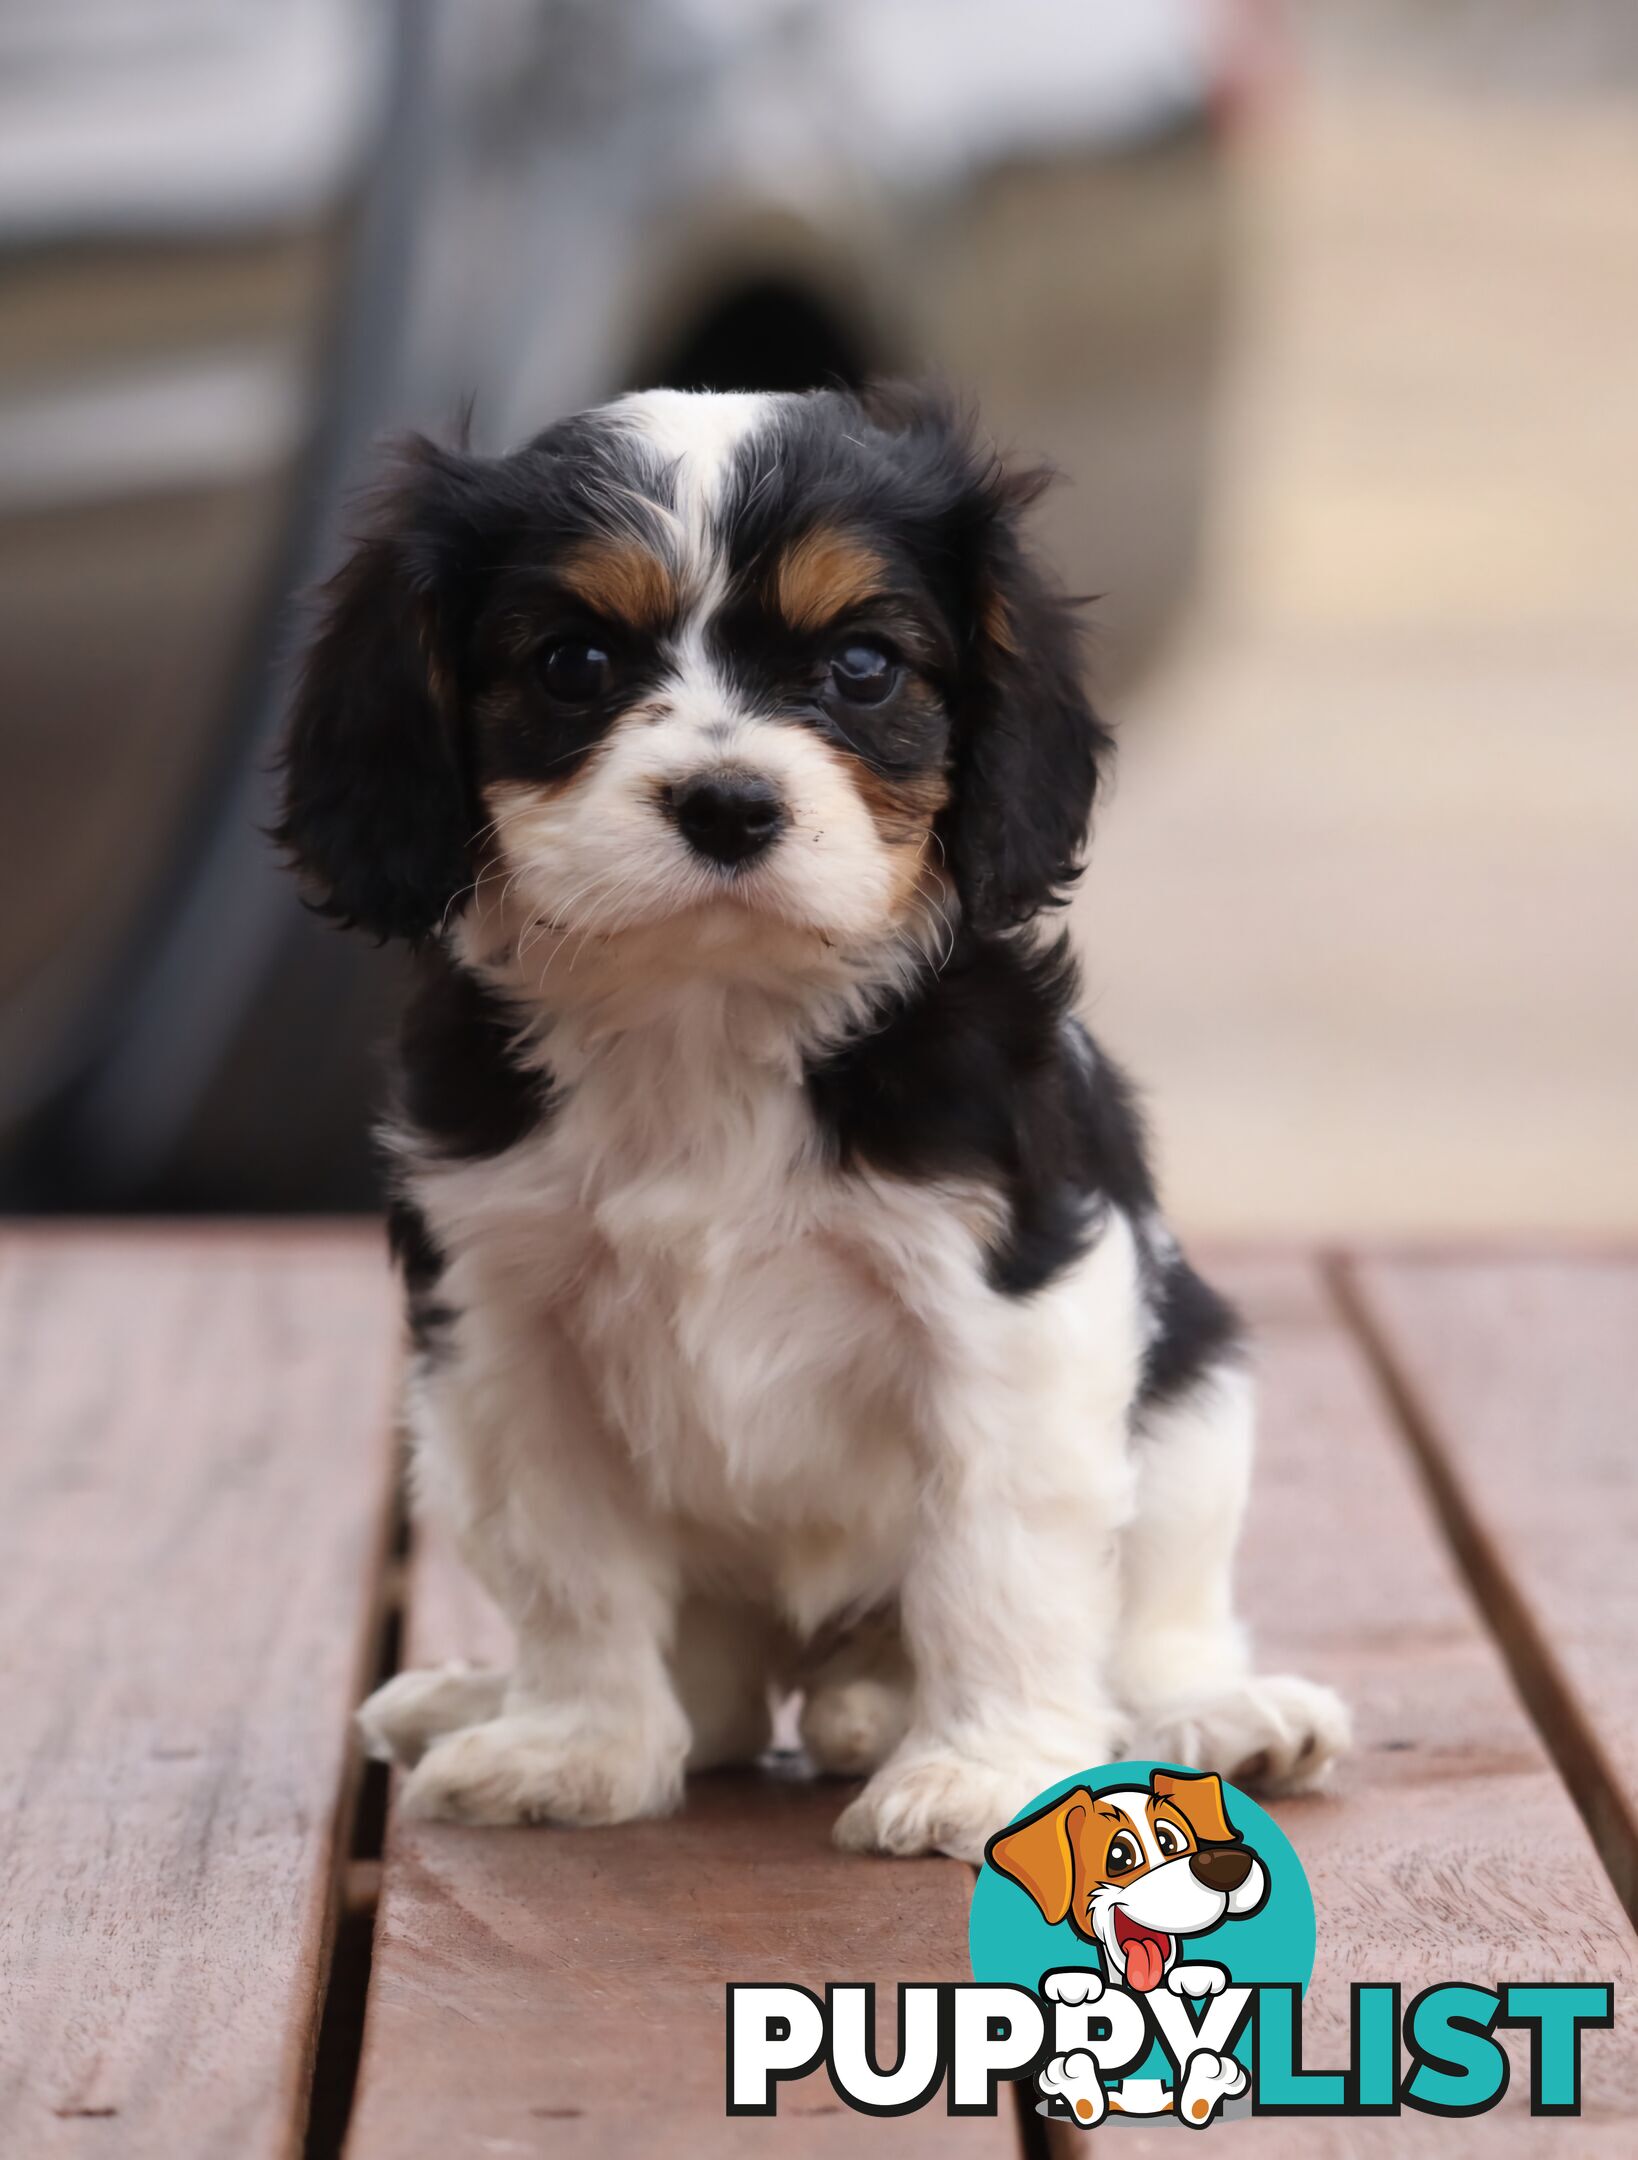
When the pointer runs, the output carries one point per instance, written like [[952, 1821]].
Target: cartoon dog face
[[1135, 1870]]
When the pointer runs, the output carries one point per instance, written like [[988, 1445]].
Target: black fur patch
[[460, 1094], [1196, 1329], [970, 1073], [462, 1090], [980, 1070], [421, 1263]]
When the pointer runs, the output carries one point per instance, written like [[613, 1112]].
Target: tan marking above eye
[[995, 620], [824, 574], [622, 582]]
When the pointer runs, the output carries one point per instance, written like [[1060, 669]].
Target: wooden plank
[[1448, 1848], [1519, 1379], [194, 1492], [514, 1967]]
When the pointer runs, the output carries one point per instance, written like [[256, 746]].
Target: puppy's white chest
[[737, 1328], [735, 1338]]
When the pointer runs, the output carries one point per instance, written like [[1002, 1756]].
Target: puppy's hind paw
[[1275, 1733], [849, 1726], [400, 1721]]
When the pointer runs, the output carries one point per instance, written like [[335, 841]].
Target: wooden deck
[[202, 1566]]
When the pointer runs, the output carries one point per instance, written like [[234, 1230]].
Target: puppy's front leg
[[1010, 1601], [545, 1503]]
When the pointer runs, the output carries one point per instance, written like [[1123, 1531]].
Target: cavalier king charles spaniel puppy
[[792, 1313]]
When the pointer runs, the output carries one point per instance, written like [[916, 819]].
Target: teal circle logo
[[1145, 1874]]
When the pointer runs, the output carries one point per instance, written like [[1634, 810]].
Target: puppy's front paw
[[536, 1766], [928, 1804], [1276, 1733], [940, 1802], [400, 1721]]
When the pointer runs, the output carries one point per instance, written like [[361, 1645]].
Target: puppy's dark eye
[[1169, 1838], [576, 671], [863, 673], [1123, 1854]]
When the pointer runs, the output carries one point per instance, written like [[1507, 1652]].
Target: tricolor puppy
[[1136, 1871], [791, 1305]]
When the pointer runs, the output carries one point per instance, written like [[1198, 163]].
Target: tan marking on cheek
[[822, 575], [902, 810], [622, 582]]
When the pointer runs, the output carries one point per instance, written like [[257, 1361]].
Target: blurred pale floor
[[1363, 911]]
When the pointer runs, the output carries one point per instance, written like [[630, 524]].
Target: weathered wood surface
[[194, 1480], [563, 1992], [1519, 1378], [1449, 1849]]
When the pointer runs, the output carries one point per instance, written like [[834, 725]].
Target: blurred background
[[1328, 313]]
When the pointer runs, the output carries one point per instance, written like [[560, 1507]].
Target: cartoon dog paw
[[1074, 2079], [1196, 1981], [1210, 2080], [1076, 1984]]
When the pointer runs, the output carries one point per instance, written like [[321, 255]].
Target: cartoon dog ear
[[1028, 744], [1039, 1854], [1199, 1799], [377, 814]]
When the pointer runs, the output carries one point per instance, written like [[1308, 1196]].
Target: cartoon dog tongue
[[1145, 1950]]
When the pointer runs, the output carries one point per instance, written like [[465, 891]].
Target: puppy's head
[[725, 674], [1135, 1870]]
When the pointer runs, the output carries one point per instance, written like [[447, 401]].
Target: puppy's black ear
[[1028, 744], [377, 808]]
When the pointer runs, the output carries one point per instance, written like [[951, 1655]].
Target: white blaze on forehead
[[694, 435], [690, 438], [1134, 1803]]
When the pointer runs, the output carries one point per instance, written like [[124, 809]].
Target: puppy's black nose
[[1226, 1868], [727, 816]]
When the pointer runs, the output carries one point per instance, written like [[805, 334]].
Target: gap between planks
[[356, 1893], [1589, 1776]]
